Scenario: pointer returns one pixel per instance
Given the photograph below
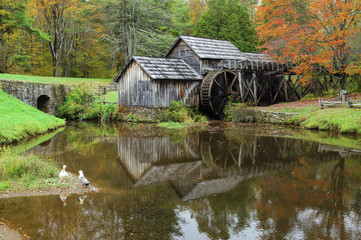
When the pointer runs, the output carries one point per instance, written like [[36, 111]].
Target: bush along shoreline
[[30, 172], [342, 120]]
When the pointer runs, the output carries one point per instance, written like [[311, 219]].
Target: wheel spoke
[[231, 86], [221, 105], [225, 91], [225, 79]]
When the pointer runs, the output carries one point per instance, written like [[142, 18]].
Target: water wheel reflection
[[218, 153]]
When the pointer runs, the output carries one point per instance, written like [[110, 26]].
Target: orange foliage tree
[[316, 35]]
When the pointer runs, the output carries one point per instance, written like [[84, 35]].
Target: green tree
[[146, 27], [228, 20], [13, 18]]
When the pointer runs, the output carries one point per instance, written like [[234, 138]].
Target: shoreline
[[73, 187]]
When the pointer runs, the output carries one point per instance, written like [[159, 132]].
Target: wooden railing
[[339, 101]]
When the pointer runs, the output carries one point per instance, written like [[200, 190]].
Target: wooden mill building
[[205, 72]]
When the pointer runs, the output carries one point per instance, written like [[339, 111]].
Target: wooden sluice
[[261, 80]]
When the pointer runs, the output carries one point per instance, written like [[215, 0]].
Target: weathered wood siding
[[135, 88], [181, 50], [208, 65], [167, 90]]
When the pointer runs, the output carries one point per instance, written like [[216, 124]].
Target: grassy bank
[[343, 120], [19, 120], [26, 172], [56, 80]]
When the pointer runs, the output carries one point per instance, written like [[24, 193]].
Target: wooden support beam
[[285, 87], [241, 84], [261, 93], [248, 86], [279, 88], [254, 76]]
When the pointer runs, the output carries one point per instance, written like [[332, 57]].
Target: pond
[[213, 182]]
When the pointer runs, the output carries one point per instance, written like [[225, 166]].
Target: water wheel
[[217, 88]]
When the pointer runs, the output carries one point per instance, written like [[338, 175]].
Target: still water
[[214, 182]]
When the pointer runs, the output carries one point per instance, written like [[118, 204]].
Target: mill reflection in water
[[205, 163], [242, 183]]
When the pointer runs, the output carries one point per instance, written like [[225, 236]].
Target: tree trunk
[[55, 69], [343, 81]]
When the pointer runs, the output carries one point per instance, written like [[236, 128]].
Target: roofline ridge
[[207, 38]]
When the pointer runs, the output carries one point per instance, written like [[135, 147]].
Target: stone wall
[[43, 96], [272, 117], [141, 114]]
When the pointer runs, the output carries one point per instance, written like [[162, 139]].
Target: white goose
[[82, 179], [63, 175]]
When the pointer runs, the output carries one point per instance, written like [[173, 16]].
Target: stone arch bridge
[[43, 96]]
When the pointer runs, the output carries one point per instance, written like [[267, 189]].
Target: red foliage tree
[[316, 35]]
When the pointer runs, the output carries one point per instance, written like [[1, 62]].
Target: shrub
[[79, 105], [239, 112], [76, 103], [14, 166], [178, 111]]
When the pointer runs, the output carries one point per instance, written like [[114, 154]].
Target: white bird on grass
[[63, 175], [82, 179]]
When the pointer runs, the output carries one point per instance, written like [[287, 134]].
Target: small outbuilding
[[155, 82]]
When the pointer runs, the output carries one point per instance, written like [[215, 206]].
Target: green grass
[[343, 120], [56, 80], [173, 125], [28, 172], [110, 97], [19, 120], [292, 110]]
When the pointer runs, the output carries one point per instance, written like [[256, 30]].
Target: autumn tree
[[318, 36], [58, 18], [196, 9], [228, 20]]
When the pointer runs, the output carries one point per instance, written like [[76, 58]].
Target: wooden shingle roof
[[256, 57], [164, 69], [206, 48]]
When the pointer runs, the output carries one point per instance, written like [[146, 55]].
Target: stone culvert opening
[[43, 103]]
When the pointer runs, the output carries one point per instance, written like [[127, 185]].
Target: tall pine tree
[[226, 19]]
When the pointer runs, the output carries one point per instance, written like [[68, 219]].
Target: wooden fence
[[339, 101]]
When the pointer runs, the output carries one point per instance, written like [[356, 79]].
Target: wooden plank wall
[[189, 56], [208, 65], [167, 90], [135, 88], [133, 79]]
